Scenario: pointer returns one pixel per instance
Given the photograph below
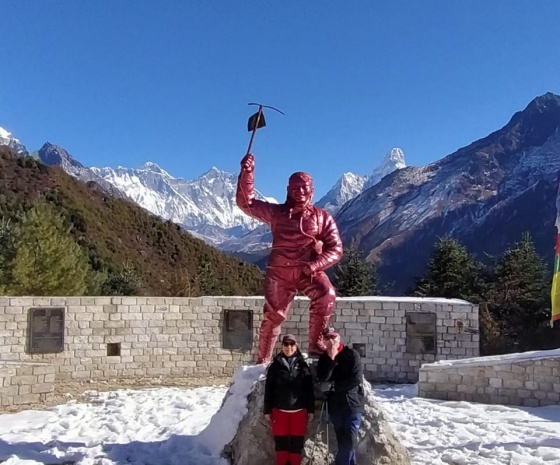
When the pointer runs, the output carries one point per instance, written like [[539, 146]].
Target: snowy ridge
[[206, 201], [350, 185], [440, 187], [6, 138]]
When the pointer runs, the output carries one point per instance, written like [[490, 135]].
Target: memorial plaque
[[238, 329], [360, 348], [421, 332], [45, 330]]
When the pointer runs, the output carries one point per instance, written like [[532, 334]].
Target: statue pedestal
[[253, 443]]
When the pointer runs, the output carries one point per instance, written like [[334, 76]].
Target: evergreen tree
[[206, 279], [127, 282], [452, 273], [47, 260], [354, 275], [519, 294], [7, 254]]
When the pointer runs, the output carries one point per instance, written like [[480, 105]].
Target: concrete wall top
[[495, 359]]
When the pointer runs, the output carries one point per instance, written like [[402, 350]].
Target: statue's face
[[300, 189]]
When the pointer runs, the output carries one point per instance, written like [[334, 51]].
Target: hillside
[[116, 232]]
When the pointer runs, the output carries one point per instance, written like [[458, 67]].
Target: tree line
[[41, 254], [512, 290]]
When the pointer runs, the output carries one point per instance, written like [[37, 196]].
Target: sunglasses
[[286, 344]]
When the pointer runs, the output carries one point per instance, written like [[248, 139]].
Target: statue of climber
[[305, 242]]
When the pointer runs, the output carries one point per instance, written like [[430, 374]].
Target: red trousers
[[280, 287], [288, 429]]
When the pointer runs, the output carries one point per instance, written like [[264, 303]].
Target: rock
[[253, 443]]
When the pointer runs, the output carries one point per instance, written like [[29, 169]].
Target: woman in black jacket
[[289, 402]]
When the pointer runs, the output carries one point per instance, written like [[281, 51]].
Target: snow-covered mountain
[[6, 138], [392, 161], [203, 205], [350, 185]]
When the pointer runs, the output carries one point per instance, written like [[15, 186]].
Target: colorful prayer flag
[[555, 291]]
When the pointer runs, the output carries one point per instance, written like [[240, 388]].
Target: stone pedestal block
[[253, 443]]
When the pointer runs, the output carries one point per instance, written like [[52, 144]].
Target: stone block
[[495, 382], [26, 399], [9, 391], [526, 402], [25, 380], [42, 388]]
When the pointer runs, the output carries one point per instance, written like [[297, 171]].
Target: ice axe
[[257, 121]]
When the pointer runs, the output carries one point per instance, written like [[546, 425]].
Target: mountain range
[[204, 206], [485, 194]]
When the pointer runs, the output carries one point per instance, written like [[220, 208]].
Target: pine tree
[[206, 280], [354, 275], [452, 273], [47, 260], [519, 293], [127, 282], [7, 255]]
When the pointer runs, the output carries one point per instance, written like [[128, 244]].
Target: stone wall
[[115, 337], [529, 379], [25, 382]]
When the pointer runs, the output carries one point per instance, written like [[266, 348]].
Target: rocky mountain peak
[[544, 101], [351, 185], [153, 168], [533, 125], [392, 161], [216, 173], [52, 154]]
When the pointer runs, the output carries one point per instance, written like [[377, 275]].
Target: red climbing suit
[[305, 242]]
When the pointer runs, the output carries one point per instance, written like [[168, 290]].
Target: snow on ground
[[172, 426], [464, 433]]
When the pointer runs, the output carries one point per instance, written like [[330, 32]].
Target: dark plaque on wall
[[46, 330], [421, 333], [360, 348], [238, 329]]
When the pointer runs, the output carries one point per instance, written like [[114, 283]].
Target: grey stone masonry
[[25, 383], [113, 337], [530, 379]]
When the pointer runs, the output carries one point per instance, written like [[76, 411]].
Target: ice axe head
[[257, 121]]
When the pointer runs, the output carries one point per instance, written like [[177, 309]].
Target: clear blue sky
[[122, 82]]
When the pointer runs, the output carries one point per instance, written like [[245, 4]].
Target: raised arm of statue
[[245, 196]]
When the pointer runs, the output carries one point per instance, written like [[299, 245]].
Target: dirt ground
[[66, 391]]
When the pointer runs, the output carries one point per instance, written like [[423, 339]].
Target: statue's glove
[[248, 163]]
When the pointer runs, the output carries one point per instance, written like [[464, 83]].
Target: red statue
[[305, 242]]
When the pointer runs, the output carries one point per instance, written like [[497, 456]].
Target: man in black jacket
[[342, 366]]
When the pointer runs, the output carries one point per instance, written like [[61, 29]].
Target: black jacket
[[289, 385], [345, 372]]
